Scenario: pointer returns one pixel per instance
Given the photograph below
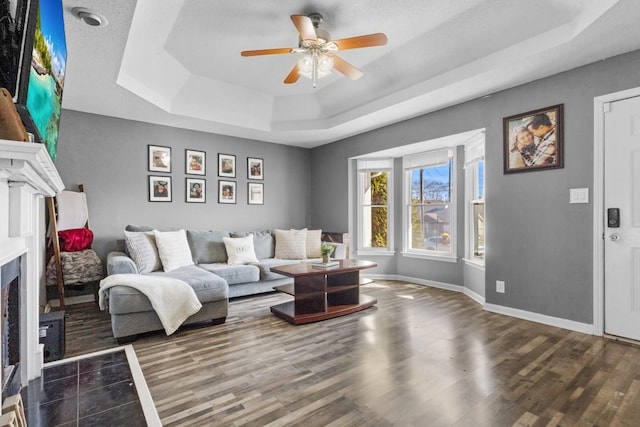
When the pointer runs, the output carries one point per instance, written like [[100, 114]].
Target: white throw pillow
[[143, 251], [314, 243], [240, 250], [173, 249], [291, 244]]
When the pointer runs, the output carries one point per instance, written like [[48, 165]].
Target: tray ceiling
[[178, 63]]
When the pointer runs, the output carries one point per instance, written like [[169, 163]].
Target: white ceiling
[[178, 63]]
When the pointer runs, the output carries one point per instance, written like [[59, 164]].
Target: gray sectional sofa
[[211, 276]]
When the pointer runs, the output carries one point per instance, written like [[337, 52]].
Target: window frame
[[378, 165], [474, 153], [407, 251]]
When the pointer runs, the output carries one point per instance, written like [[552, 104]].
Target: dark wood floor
[[421, 357]]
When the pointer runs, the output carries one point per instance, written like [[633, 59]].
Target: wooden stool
[[9, 420], [13, 412]]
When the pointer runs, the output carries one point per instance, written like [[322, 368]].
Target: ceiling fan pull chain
[[314, 70]]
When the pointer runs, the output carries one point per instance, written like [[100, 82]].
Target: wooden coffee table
[[323, 293]]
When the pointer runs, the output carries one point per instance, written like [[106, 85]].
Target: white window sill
[[445, 258], [474, 263], [375, 253]]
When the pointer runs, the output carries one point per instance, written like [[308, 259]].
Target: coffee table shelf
[[321, 294]]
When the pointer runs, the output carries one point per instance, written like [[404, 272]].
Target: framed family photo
[[195, 190], [534, 140], [227, 165], [226, 192], [159, 158], [195, 162], [255, 168], [159, 188], [255, 193]]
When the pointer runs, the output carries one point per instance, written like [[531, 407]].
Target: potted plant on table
[[326, 249]]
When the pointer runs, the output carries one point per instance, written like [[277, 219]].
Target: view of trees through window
[[375, 209], [430, 207], [478, 214]]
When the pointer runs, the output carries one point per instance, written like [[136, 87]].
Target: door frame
[[600, 107]]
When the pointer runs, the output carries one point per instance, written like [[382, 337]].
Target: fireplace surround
[[10, 324], [27, 175]]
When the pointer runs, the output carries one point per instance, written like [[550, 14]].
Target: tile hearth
[[104, 388]]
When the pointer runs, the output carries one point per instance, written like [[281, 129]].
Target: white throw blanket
[[72, 210], [172, 299]]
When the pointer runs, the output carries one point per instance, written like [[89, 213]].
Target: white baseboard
[[474, 296], [558, 322]]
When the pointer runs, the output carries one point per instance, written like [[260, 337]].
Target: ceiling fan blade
[[377, 39], [345, 68], [266, 51], [305, 27], [293, 75]]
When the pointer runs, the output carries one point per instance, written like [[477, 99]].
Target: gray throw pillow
[[143, 251], [207, 246]]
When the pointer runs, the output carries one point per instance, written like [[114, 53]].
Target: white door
[[622, 244]]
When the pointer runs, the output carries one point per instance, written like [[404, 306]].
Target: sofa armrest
[[340, 251], [120, 263]]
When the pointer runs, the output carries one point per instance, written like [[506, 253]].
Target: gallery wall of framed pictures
[[160, 182]]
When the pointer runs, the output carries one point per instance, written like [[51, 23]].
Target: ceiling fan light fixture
[[323, 66], [318, 49]]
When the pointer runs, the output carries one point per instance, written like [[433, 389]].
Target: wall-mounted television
[[40, 80], [16, 38]]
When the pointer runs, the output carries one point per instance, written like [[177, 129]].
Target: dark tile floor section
[[96, 391]]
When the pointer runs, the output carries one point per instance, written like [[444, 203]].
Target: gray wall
[[109, 156], [537, 242]]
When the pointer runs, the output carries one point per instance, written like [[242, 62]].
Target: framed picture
[[159, 158], [226, 192], [534, 140], [195, 190], [195, 162], [159, 188], [227, 165], [255, 193], [255, 168]]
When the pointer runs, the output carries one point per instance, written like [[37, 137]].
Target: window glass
[[478, 229], [375, 208], [430, 203]]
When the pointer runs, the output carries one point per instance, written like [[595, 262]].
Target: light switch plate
[[579, 195]]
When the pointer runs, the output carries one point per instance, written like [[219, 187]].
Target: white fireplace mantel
[[27, 174], [30, 163]]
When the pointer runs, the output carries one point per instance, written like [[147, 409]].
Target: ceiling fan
[[318, 49]]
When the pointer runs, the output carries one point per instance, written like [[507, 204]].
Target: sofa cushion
[[265, 267], [207, 286], [207, 246], [240, 250], [263, 243], [291, 244], [143, 251], [173, 249], [314, 243], [138, 228], [234, 274]]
